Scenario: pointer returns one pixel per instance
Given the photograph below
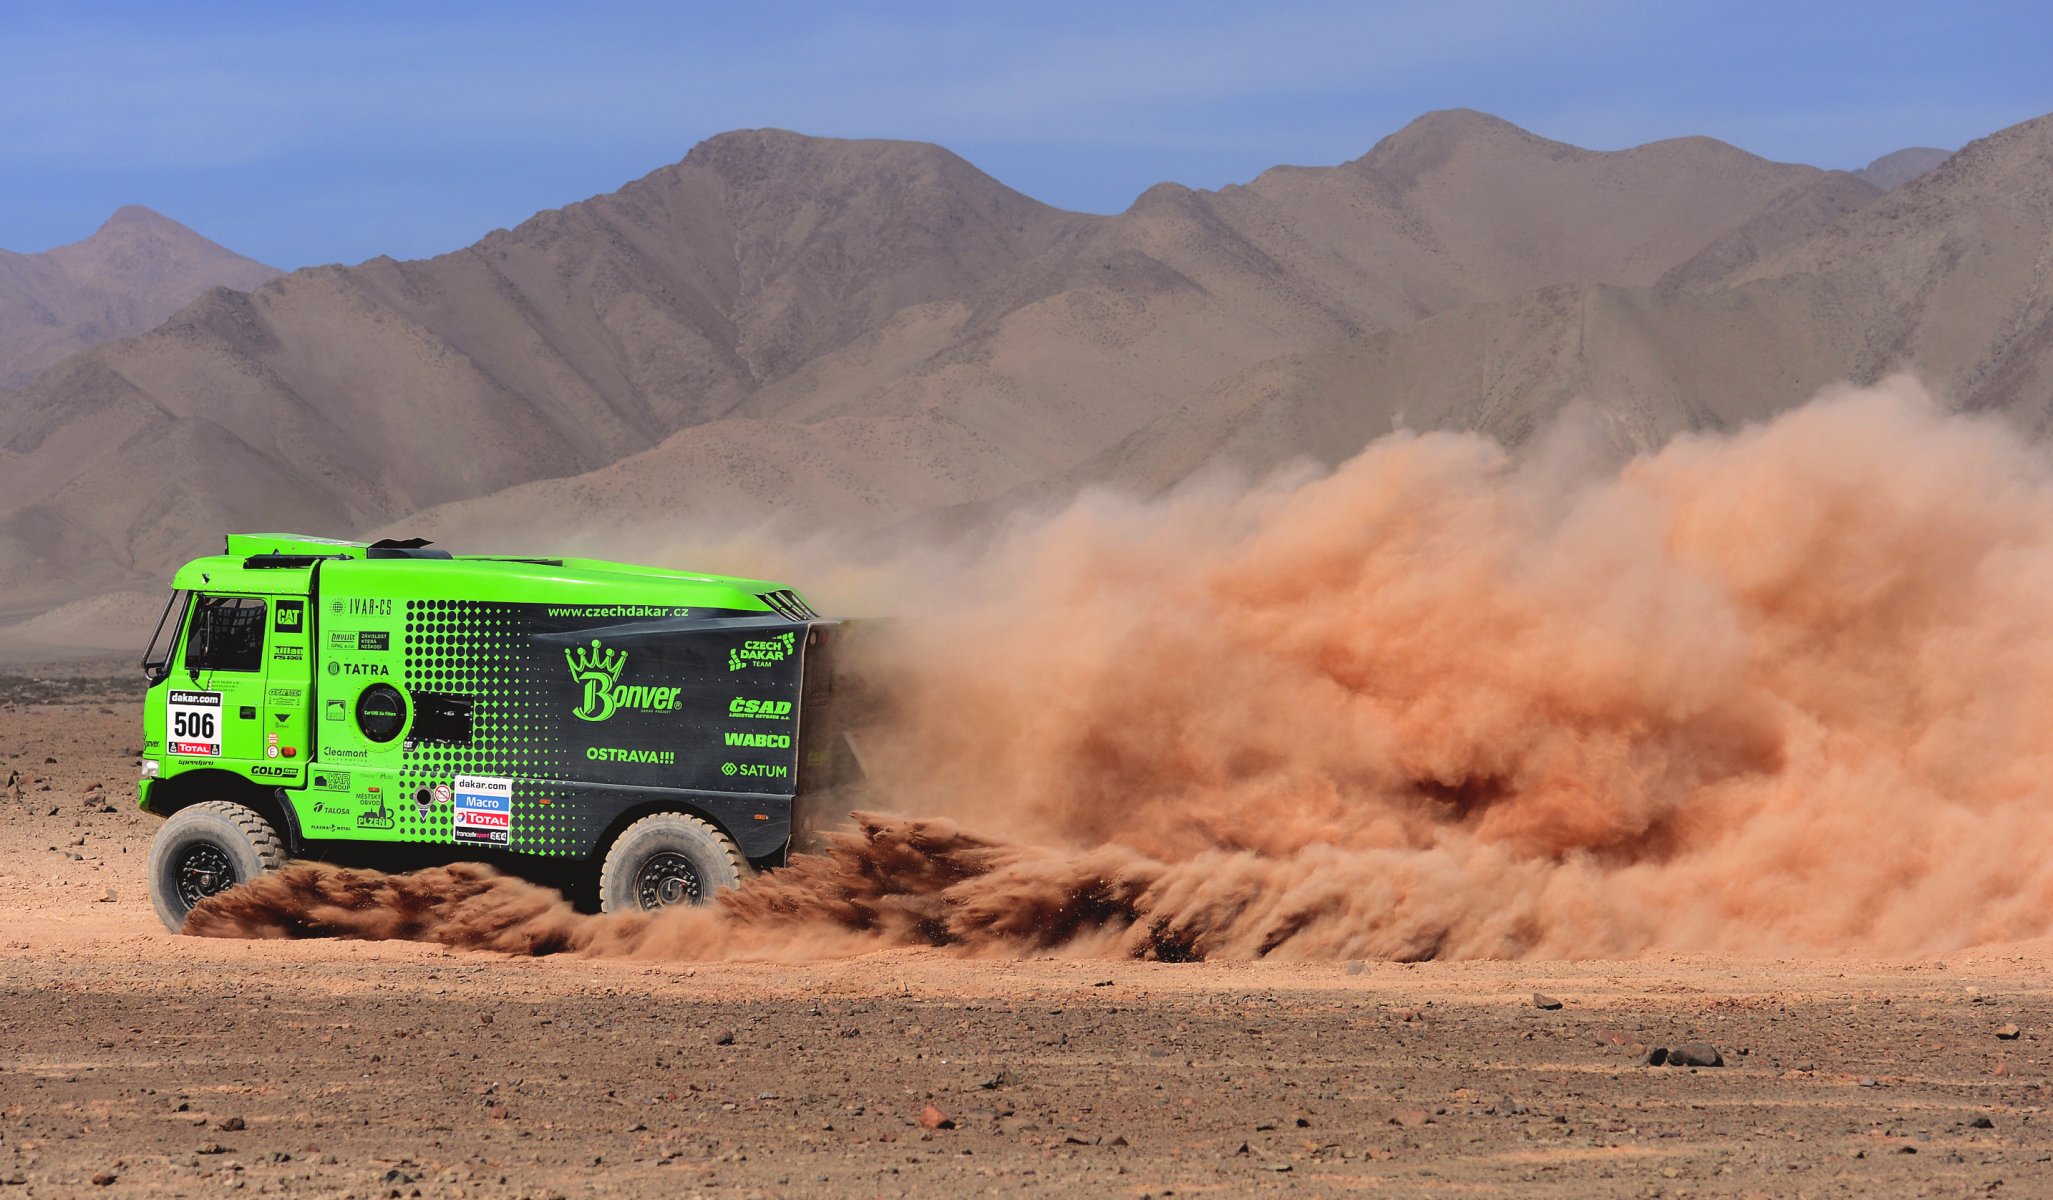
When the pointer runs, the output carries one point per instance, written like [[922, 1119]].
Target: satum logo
[[598, 669]]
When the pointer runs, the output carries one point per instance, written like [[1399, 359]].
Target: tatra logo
[[598, 670]]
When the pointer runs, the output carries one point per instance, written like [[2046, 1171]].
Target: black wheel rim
[[665, 880], [203, 871]]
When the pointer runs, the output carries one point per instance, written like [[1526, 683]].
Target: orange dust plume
[[1784, 690]]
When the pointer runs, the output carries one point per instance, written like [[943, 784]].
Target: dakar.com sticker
[[483, 810]]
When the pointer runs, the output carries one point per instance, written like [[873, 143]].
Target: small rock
[[1510, 1107], [106, 897], [211, 1148], [1409, 1118], [2009, 1033], [1118, 1141], [1981, 1123], [1544, 1001], [934, 1118], [1655, 1056], [234, 1125], [724, 1038], [1695, 1054], [104, 1178], [1356, 967], [395, 1175]]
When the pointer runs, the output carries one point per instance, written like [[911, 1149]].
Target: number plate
[[192, 724]]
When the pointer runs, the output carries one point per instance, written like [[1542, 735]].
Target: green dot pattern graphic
[[480, 652]]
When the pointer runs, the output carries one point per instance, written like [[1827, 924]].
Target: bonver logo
[[598, 670]]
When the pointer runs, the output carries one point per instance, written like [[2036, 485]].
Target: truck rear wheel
[[667, 859], [204, 849]]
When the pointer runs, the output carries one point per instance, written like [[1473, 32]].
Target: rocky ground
[[137, 1063]]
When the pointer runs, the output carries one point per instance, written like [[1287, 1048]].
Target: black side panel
[[592, 712]]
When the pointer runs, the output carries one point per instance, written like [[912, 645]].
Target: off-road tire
[[211, 833], [668, 854]]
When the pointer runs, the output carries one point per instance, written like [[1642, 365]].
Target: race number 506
[[193, 723]]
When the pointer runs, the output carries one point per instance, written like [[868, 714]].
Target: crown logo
[[598, 669]]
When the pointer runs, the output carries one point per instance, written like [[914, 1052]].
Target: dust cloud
[[1788, 690]]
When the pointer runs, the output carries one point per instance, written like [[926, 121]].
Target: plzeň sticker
[[192, 723], [484, 810]]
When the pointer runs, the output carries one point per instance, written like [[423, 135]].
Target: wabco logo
[[762, 652], [762, 710], [767, 741], [598, 669]]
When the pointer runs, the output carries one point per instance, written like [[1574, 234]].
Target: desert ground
[[134, 1062]]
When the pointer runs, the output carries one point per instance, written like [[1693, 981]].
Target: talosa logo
[[598, 670]]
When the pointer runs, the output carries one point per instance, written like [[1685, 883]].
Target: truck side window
[[227, 634]]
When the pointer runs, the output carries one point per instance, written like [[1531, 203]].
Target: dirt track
[[185, 1066]]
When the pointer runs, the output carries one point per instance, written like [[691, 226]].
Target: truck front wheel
[[667, 859], [207, 848]]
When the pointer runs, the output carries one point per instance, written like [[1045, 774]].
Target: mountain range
[[137, 269], [787, 332]]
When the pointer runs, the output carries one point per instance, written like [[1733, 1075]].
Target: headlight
[[149, 768]]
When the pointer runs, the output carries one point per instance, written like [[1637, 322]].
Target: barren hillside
[[136, 270], [859, 333]]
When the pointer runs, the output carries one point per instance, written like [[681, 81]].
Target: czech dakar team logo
[[599, 670], [762, 652]]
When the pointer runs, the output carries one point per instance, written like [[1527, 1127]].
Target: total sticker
[[483, 812]]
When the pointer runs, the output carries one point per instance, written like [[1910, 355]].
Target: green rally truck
[[641, 737]]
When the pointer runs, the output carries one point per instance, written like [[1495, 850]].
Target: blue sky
[[302, 134]]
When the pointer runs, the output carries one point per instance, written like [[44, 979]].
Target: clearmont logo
[[598, 669], [765, 710]]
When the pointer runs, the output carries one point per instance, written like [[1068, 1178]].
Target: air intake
[[788, 604]]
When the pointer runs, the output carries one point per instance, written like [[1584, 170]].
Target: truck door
[[242, 700]]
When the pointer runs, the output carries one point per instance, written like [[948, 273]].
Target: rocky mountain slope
[[855, 334], [136, 270]]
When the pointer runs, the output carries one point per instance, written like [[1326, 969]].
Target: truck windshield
[[157, 656]]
